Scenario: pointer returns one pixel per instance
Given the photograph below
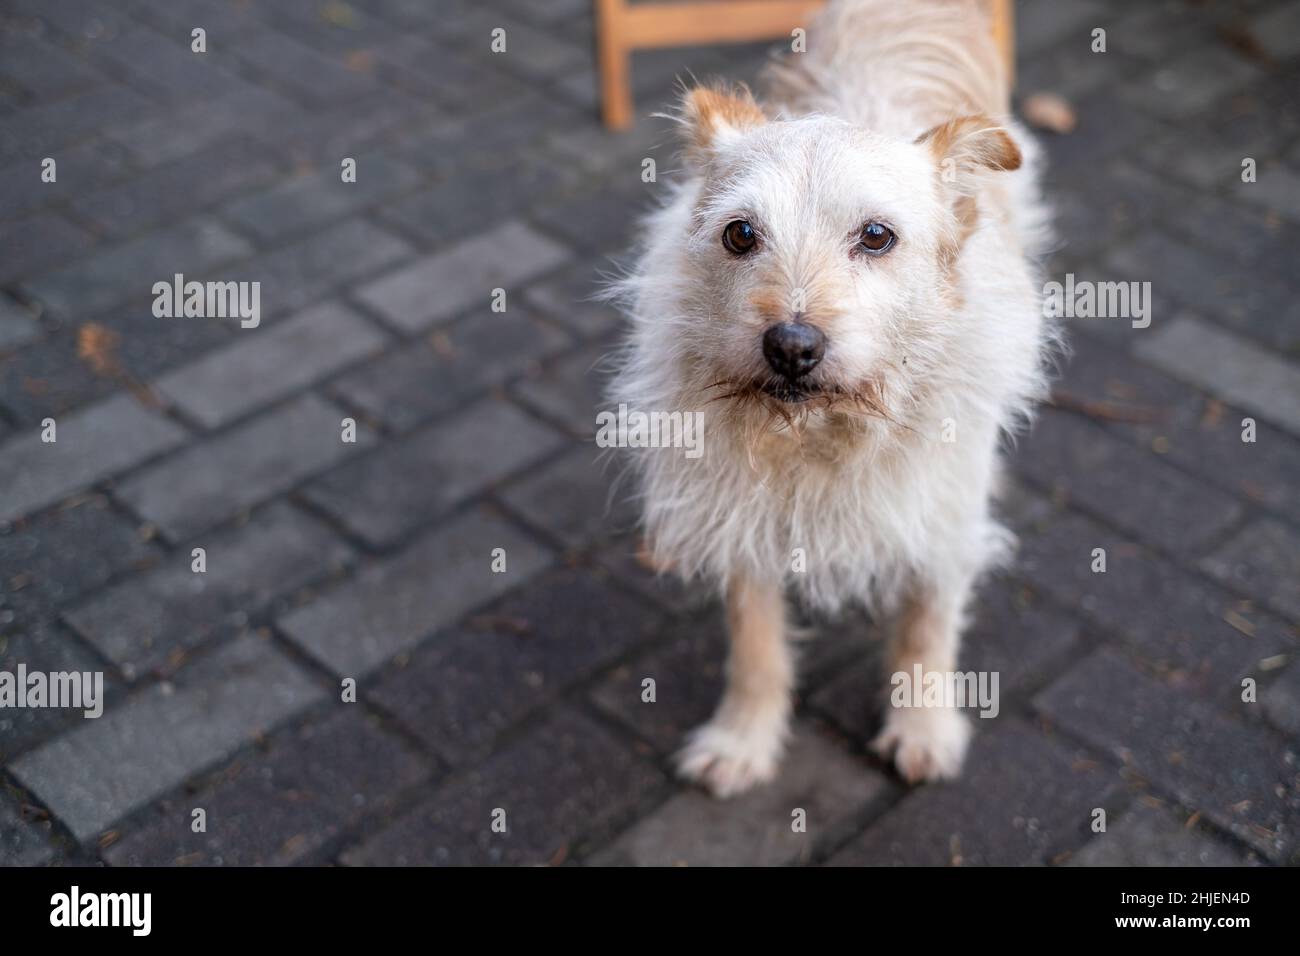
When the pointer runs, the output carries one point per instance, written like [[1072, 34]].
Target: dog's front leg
[[741, 745], [926, 742]]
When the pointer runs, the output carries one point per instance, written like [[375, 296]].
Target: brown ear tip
[[708, 110], [1011, 157]]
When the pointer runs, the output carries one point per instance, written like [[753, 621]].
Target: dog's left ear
[[967, 145], [712, 116]]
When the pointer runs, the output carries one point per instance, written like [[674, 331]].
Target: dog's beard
[[778, 404]]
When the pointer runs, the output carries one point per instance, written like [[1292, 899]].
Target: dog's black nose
[[793, 349]]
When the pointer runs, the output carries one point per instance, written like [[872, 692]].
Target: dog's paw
[[728, 759], [927, 743]]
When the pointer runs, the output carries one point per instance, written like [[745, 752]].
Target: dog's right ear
[[970, 144], [709, 117]]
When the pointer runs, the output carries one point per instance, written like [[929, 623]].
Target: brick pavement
[[520, 690]]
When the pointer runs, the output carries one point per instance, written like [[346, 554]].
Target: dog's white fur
[[944, 336]]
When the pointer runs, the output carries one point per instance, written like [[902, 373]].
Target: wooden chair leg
[[612, 55], [619, 29]]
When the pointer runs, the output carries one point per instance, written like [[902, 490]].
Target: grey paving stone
[[1200, 636], [464, 358], [80, 169], [267, 363], [314, 197], [624, 558], [578, 498], [687, 670], [1229, 367], [316, 79], [1023, 798], [1279, 30], [571, 392], [757, 829], [45, 129], [62, 555], [462, 203], [440, 286], [1090, 212], [165, 66], [42, 645], [1178, 422], [324, 136], [1191, 83], [171, 133], [1107, 127], [564, 784], [84, 24], [129, 270], [91, 445], [1240, 779], [43, 69], [1182, 277], [1043, 25], [1276, 191], [179, 188], [538, 55], [181, 15], [389, 607], [1070, 69], [498, 137], [1281, 699], [298, 274], [106, 768], [1263, 559], [76, 362], [284, 805], [563, 14], [602, 222], [208, 483], [337, 33], [1151, 836], [462, 690], [384, 495], [1014, 631], [1131, 486], [1240, 295], [24, 840], [588, 153], [1155, 31], [1216, 167], [17, 325], [569, 299], [39, 242], [445, 74], [417, 14], [150, 621]]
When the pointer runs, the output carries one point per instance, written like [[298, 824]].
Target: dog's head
[[820, 256]]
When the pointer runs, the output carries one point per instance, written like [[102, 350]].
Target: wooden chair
[[623, 26]]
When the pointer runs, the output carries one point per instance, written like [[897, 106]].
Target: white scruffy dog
[[844, 286]]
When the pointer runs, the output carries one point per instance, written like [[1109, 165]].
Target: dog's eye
[[739, 237], [876, 238]]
